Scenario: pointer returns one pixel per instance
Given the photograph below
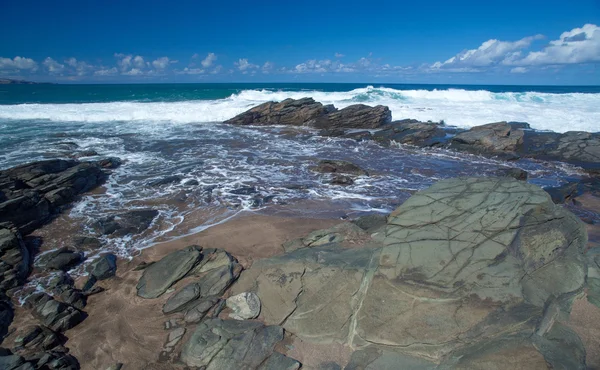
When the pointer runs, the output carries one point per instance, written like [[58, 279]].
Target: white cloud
[[161, 63], [489, 53], [580, 45], [78, 67], [243, 65], [267, 67], [53, 66], [106, 72], [18, 63], [133, 72], [209, 60], [217, 69], [518, 70], [191, 71], [339, 55], [138, 62]]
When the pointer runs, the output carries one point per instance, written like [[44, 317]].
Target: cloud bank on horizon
[[579, 46]]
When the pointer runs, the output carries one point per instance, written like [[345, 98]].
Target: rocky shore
[[471, 273]]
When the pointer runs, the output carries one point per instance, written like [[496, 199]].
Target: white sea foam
[[462, 108]]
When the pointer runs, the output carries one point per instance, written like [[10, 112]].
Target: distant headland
[[8, 81]]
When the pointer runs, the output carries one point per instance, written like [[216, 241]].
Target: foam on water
[[458, 107]]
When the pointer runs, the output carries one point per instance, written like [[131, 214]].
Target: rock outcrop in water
[[307, 112], [468, 268], [31, 193]]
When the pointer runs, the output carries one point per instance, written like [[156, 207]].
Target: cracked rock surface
[[466, 269]]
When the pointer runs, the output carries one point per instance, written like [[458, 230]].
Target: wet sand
[[122, 327]]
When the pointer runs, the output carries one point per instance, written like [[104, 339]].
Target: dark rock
[[14, 260], [11, 362], [413, 132], [6, 315], [74, 297], [196, 312], [105, 267], [165, 181], [359, 135], [333, 132], [238, 344], [56, 315], [159, 276], [355, 116], [86, 242], [493, 138], [246, 190], [110, 162], [338, 166], [191, 182], [131, 222], [277, 361], [341, 180], [61, 259], [562, 194], [371, 223], [307, 112], [515, 173], [33, 192], [85, 153], [38, 338]]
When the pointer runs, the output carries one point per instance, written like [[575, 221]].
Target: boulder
[[7, 315], [287, 112], [15, 260], [493, 138], [339, 166], [128, 223], [342, 180], [63, 259], [56, 315], [159, 276], [31, 193], [307, 112], [463, 265], [37, 338], [515, 173], [244, 306], [174, 179], [105, 267], [414, 132], [230, 344]]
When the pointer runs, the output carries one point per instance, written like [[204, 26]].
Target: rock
[[85, 153], [277, 361], [244, 306], [307, 112], [174, 179], [74, 297], [191, 182], [464, 264], [562, 194], [200, 309], [7, 315], [117, 366], [88, 242], [174, 337], [245, 190], [371, 223], [128, 223], [61, 259], [53, 360], [230, 344], [55, 315], [14, 260], [355, 116], [493, 138], [31, 193], [38, 338], [212, 284], [287, 112], [338, 166], [11, 362], [515, 173], [413, 132], [105, 267], [341, 180], [110, 162], [159, 276]]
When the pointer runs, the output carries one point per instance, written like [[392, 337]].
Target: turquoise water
[[22, 94]]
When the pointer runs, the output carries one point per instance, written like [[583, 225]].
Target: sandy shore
[[121, 327]]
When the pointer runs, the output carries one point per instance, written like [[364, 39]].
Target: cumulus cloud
[[209, 60], [106, 72], [80, 68], [127, 62], [139, 62], [491, 52], [217, 69], [578, 46], [18, 63], [518, 70], [190, 71], [267, 67], [53, 67], [133, 72], [161, 63], [244, 66], [339, 55]]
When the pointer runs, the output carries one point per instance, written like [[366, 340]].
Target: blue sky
[[454, 42]]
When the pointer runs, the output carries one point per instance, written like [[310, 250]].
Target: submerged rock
[[464, 264], [339, 166], [131, 222], [61, 259]]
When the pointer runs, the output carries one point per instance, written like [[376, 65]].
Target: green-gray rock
[[159, 276]]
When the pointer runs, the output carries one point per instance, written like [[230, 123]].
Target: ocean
[[166, 130]]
